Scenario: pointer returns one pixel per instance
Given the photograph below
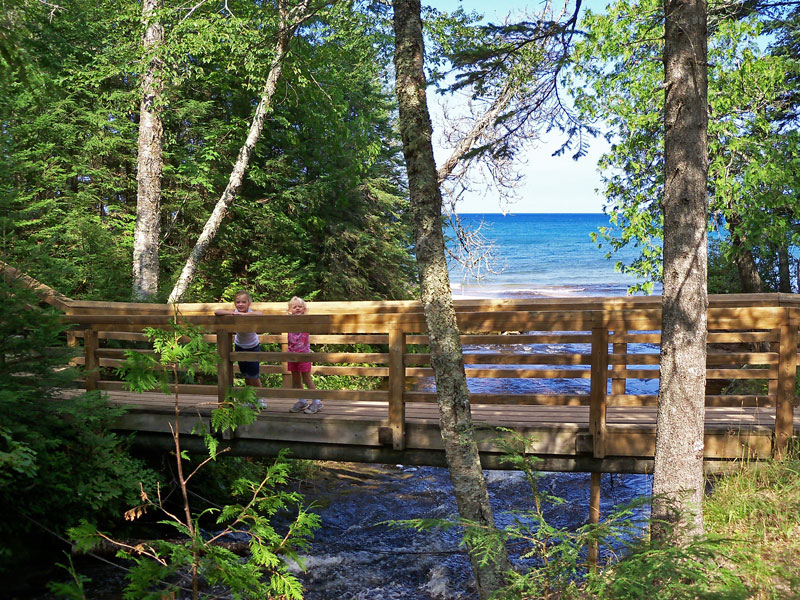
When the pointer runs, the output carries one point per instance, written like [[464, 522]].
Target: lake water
[[543, 255]]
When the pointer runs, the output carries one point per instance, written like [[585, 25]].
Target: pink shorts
[[299, 367]]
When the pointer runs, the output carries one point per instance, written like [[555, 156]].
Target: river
[[355, 555]]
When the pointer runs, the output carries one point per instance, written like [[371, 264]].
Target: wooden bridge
[[600, 349]]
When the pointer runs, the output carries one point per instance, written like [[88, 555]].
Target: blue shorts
[[249, 369]]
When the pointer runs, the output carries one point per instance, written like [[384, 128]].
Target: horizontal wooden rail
[[601, 346], [603, 350]]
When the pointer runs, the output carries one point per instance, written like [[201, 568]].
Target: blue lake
[[543, 255]]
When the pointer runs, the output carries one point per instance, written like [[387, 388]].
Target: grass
[[756, 509]]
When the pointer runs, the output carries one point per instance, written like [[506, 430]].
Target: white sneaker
[[315, 407], [299, 405], [262, 403]]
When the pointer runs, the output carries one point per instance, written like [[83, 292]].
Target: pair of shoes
[[315, 407], [299, 405]]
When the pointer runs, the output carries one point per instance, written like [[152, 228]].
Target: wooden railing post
[[286, 377], [618, 384], [787, 373], [397, 379], [225, 368], [599, 390], [772, 384], [91, 365]]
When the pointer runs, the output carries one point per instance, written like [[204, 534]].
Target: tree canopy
[[753, 147], [323, 183]]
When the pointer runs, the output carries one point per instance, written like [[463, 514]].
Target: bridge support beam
[[594, 514], [787, 375]]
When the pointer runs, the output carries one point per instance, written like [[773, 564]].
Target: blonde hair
[[297, 300], [242, 293]]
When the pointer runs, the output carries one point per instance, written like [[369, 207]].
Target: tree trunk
[[784, 273], [461, 450], [290, 21], [678, 474], [149, 162], [749, 278], [748, 272]]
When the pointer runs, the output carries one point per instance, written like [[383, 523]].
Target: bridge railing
[[595, 352]]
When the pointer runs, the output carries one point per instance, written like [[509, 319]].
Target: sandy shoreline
[[478, 292]]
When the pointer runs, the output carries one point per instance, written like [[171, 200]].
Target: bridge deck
[[350, 430]]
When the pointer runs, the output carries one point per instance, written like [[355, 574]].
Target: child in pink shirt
[[301, 371]]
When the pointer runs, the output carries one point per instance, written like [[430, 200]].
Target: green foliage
[[73, 589], [638, 567], [240, 408], [753, 158], [340, 227], [64, 166], [722, 275], [757, 509], [667, 570], [178, 350], [164, 566], [322, 209], [59, 460]]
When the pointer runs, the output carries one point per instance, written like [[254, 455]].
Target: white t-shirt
[[245, 339]]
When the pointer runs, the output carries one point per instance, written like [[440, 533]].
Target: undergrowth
[[193, 561], [757, 510], [750, 548]]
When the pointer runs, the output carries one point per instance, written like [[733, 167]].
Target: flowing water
[[356, 555]]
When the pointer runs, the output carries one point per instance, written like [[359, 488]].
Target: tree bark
[[678, 474], [784, 274], [461, 450], [290, 21], [149, 161]]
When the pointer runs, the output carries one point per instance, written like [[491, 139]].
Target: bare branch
[[54, 8], [523, 61]]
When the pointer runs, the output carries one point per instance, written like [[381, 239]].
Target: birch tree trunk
[[678, 475], [290, 21], [149, 162], [461, 451]]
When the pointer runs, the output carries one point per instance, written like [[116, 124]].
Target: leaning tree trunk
[[149, 162], [290, 21], [678, 474], [452, 394], [480, 127]]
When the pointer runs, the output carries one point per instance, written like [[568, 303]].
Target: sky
[[552, 184]]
